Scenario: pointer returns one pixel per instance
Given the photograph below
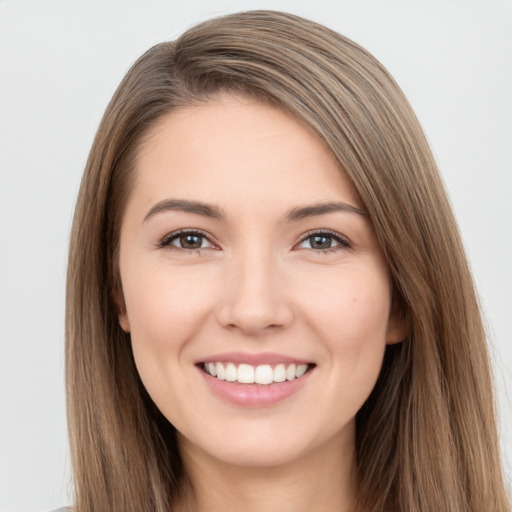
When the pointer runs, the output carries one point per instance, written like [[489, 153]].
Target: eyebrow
[[183, 205], [321, 209], [214, 212]]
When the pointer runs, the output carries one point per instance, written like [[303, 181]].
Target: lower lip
[[255, 395]]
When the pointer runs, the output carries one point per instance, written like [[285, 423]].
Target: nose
[[255, 298]]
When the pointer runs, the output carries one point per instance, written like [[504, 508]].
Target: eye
[[324, 241], [186, 240]]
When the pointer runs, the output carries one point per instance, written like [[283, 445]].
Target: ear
[[398, 325], [122, 315]]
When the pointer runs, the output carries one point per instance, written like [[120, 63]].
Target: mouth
[[255, 380], [263, 374]]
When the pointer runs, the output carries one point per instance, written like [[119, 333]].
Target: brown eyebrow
[[183, 205], [321, 209], [214, 212]]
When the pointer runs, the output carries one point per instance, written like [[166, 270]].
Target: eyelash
[[167, 239], [166, 242], [327, 233]]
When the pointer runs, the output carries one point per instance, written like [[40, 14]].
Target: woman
[[268, 303]]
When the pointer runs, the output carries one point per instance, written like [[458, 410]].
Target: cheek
[[349, 315], [351, 306], [162, 305], [165, 311]]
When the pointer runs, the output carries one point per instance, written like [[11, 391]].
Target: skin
[[256, 285]]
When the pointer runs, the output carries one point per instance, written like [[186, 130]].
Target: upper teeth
[[247, 374]]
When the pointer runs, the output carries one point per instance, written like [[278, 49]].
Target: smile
[[264, 374], [255, 380]]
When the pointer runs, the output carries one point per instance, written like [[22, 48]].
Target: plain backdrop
[[60, 62]]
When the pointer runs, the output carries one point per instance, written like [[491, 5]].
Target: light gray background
[[60, 62]]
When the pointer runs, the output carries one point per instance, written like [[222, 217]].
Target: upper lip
[[253, 359]]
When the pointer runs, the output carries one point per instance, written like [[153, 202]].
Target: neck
[[320, 481]]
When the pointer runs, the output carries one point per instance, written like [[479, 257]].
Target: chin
[[266, 445], [261, 456]]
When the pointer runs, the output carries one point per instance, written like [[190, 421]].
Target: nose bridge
[[255, 297]]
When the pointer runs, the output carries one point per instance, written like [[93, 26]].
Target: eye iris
[[190, 241], [320, 242]]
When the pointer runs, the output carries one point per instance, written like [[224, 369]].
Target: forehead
[[237, 147]]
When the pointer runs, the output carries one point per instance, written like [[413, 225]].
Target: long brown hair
[[426, 437]]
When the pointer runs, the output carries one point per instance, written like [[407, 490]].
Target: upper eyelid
[[194, 231], [321, 231], [329, 232]]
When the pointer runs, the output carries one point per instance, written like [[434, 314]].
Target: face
[[257, 298]]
